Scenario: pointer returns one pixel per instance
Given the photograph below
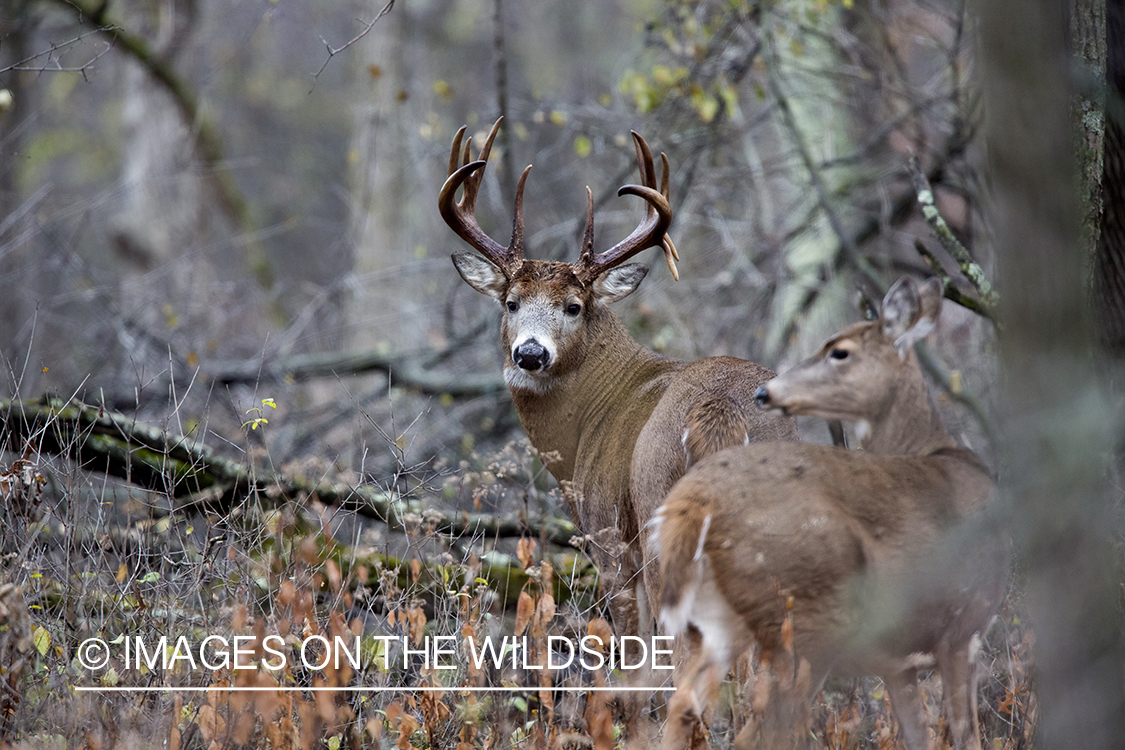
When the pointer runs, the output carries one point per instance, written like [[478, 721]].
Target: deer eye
[[513, 305], [839, 354], [573, 309]]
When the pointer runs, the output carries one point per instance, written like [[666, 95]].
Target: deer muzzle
[[531, 355], [762, 397]]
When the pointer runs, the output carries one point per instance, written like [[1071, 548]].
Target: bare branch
[[406, 372], [54, 53], [969, 267], [333, 51], [951, 291]]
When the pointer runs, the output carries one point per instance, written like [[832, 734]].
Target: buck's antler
[[651, 232], [461, 217]]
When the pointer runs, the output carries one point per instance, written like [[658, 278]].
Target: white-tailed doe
[[855, 561], [624, 421]]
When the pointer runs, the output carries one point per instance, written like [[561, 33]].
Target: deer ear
[[619, 282], [910, 311], [481, 274]]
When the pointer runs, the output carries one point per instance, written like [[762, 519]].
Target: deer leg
[[907, 704], [959, 693], [781, 701], [696, 687]]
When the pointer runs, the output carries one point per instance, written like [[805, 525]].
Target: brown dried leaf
[[601, 630], [546, 576], [544, 613], [211, 725], [407, 726], [415, 569], [417, 620], [524, 549], [525, 608], [334, 577]]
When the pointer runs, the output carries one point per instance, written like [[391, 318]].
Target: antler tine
[[664, 178], [516, 245], [652, 230], [588, 235], [454, 152], [644, 160], [461, 217]]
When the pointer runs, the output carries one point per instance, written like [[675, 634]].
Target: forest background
[[235, 353]]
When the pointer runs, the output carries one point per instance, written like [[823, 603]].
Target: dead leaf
[[417, 619], [211, 725], [600, 629], [544, 613], [525, 608], [524, 549]]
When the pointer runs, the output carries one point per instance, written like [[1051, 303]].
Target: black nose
[[530, 355], [762, 397]]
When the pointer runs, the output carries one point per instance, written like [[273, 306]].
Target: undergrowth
[[323, 602]]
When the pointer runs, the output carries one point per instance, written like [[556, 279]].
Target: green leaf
[[42, 640]]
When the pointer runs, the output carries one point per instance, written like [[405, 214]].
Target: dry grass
[[86, 557]]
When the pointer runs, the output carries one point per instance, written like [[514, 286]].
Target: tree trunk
[[1059, 420], [1109, 256]]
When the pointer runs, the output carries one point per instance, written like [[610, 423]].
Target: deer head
[[549, 305], [859, 374]]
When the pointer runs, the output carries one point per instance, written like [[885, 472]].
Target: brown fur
[[714, 424], [864, 554], [616, 416]]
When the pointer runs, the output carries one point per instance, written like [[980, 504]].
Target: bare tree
[[1060, 421]]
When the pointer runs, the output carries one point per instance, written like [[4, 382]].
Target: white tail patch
[[702, 539], [702, 604]]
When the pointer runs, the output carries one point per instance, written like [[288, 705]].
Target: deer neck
[[910, 422], [604, 386]]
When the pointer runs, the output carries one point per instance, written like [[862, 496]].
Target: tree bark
[[1059, 419], [1109, 256]]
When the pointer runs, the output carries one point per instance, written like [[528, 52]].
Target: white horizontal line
[[361, 689]]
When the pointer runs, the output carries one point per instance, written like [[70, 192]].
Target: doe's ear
[[910, 311], [619, 282], [481, 274]]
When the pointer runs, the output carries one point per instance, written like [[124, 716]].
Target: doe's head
[[548, 304], [853, 376]]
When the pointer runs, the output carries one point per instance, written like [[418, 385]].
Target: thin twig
[[56, 48], [333, 51]]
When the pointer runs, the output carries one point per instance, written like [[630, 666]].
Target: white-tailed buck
[[624, 421], [855, 561]]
